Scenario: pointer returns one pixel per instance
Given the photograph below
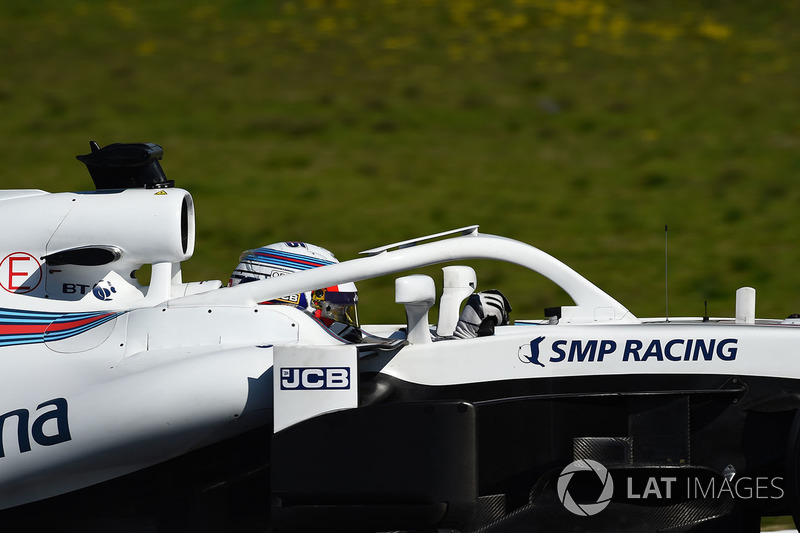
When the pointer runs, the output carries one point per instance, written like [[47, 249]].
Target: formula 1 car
[[187, 406]]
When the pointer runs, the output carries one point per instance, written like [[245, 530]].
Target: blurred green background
[[580, 126]]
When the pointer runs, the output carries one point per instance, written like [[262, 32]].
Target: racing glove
[[484, 311]]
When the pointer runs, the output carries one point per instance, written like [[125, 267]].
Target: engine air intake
[[126, 166]]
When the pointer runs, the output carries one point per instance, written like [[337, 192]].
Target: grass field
[[580, 126]]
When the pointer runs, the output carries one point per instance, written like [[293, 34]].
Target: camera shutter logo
[[585, 509]]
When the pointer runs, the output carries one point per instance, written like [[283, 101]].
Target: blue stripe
[[13, 317], [28, 317], [293, 256], [4, 320], [283, 260], [73, 317], [20, 342], [8, 316], [276, 262], [67, 333], [36, 337]]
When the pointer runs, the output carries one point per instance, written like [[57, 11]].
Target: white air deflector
[[417, 293], [746, 305], [459, 284]]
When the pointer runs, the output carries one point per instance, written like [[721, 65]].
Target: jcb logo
[[320, 378]]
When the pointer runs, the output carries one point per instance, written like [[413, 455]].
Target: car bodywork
[[192, 400]]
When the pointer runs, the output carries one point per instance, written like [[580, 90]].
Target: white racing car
[[193, 407]]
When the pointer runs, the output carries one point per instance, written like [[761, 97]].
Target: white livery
[[188, 406]]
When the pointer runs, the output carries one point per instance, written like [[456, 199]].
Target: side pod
[[378, 468]]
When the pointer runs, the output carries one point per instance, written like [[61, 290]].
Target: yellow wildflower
[[123, 14], [714, 30], [618, 26], [650, 135], [517, 20], [146, 48], [598, 9], [326, 25]]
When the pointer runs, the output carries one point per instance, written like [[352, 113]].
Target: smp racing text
[[631, 350], [636, 350]]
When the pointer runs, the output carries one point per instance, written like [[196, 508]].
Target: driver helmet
[[335, 306]]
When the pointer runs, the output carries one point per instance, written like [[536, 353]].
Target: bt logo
[[315, 378], [103, 290]]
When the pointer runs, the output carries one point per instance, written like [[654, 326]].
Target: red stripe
[[76, 323], [21, 329], [291, 260]]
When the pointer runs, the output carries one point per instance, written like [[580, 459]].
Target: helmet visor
[[336, 306]]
